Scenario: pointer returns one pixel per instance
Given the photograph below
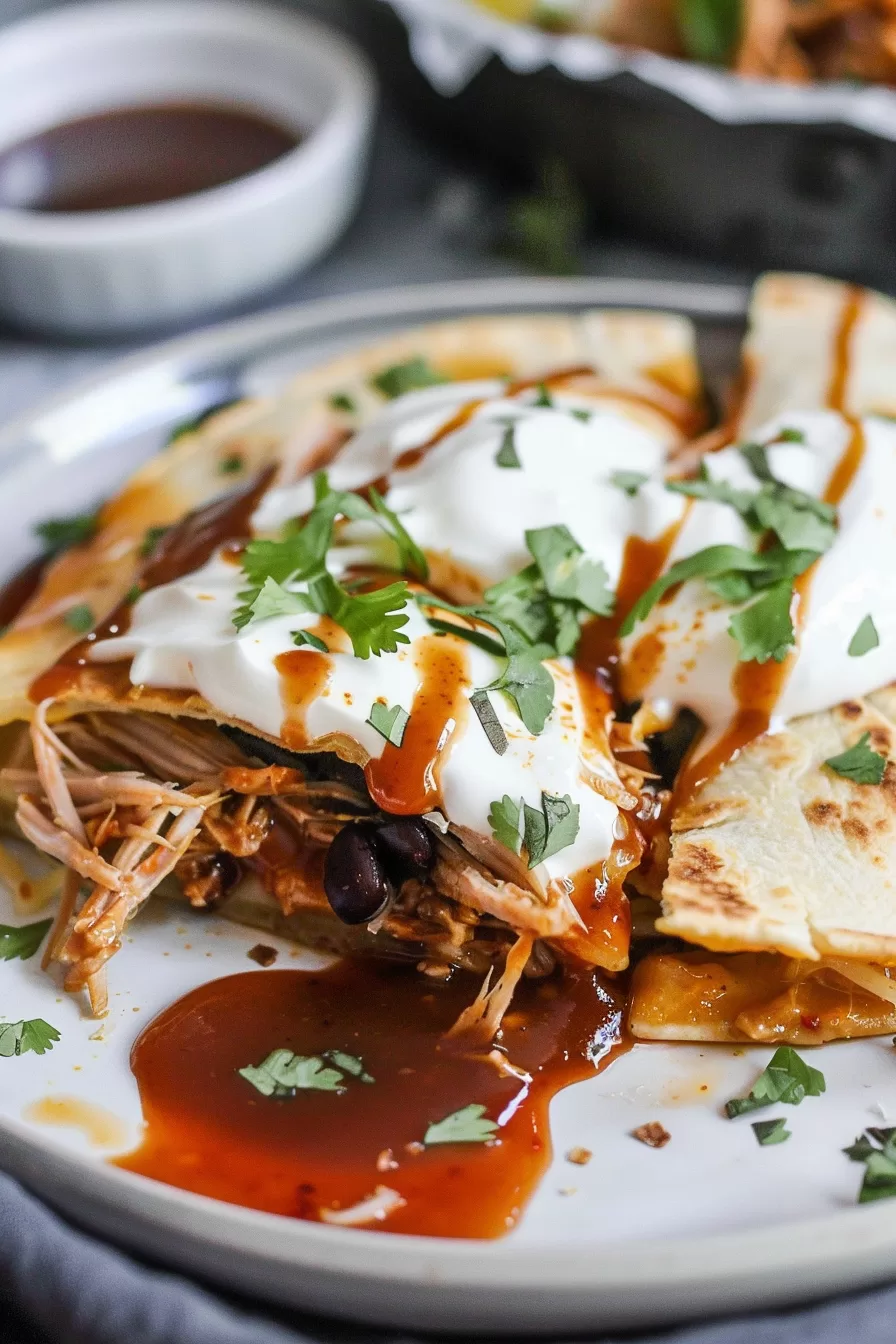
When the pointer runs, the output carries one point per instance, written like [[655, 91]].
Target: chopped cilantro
[[764, 629], [133, 593], [468, 1125], [341, 401], [629, 481], [22, 942], [349, 1064], [567, 572], [770, 1131], [543, 396], [710, 563], [197, 421], [865, 638], [860, 763], [876, 1148], [791, 436], [232, 464], [302, 637], [542, 833], [17, 1038], [389, 723], [80, 618], [398, 379], [282, 1074], [491, 724], [58, 534], [786, 1078], [715, 492], [709, 28], [507, 455], [151, 538]]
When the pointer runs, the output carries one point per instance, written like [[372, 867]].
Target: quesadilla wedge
[[343, 695], [782, 819]]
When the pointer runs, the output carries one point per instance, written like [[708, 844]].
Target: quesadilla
[[783, 819], [341, 699]]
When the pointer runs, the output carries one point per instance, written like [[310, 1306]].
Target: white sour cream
[[853, 579]]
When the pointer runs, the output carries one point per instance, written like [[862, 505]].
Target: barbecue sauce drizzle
[[208, 1130]]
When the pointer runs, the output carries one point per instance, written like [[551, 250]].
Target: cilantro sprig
[[468, 1125], [18, 1038], [373, 620], [542, 833], [22, 942], [786, 1078], [876, 1148], [860, 763], [282, 1073]]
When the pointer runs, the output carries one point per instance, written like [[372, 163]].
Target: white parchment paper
[[451, 40]]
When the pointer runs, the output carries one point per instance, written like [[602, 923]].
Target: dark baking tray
[[798, 196]]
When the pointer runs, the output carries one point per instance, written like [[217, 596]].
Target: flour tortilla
[[640, 352], [791, 354], [778, 852]]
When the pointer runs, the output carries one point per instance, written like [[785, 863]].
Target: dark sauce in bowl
[[133, 156]]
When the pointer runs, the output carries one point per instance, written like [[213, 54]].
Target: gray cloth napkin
[[79, 1291]]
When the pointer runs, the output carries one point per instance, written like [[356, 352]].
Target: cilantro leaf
[[629, 481], [467, 1125], [507, 455], [770, 1131], [865, 638], [861, 1149], [398, 379], [716, 492], [58, 534], [373, 621], [860, 763], [706, 564], [786, 1078], [389, 723], [341, 401], [232, 464], [282, 1074], [524, 679], [197, 421], [543, 397], [491, 724], [764, 629], [756, 457], [151, 538], [791, 436], [80, 618], [301, 637], [521, 600], [349, 1064], [17, 1038], [22, 942], [274, 600], [505, 819], [554, 828], [709, 28], [800, 522], [879, 1181], [567, 572], [527, 682]]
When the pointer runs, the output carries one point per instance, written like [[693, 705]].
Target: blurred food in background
[[795, 40]]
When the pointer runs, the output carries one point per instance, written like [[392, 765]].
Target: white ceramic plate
[[710, 1223]]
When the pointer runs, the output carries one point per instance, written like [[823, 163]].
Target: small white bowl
[[149, 266]]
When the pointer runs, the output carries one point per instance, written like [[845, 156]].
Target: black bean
[[407, 848], [355, 880]]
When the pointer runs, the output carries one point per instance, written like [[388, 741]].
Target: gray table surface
[[61, 1286]]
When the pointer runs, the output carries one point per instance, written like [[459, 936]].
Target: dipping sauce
[[210, 1131], [138, 156]]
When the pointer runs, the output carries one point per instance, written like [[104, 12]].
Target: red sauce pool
[[210, 1131]]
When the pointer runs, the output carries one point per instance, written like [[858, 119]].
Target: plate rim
[[634, 1282]]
